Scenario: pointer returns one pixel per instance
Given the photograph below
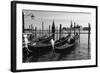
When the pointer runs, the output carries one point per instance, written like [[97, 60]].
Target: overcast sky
[[47, 17]]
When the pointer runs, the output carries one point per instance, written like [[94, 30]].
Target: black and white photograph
[[56, 36], [47, 36]]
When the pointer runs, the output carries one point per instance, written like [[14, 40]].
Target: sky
[[47, 17]]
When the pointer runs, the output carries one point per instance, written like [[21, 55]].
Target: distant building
[[86, 28], [65, 29]]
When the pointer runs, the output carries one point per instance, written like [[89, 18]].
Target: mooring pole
[[60, 31], [89, 39], [71, 27], [53, 30], [35, 32], [79, 35], [52, 40], [49, 30], [42, 28], [23, 22], [74, 28], [57, 33], [74, 42], [32, 29]]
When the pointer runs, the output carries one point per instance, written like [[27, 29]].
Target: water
[[81, 52]]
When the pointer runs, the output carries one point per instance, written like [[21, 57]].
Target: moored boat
[[45, 46], [43, 39], [40, 48], [67, 46]]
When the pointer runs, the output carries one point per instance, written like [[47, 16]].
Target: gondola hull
[[40, 48], [42, 39], [67, 47], [44, 46]]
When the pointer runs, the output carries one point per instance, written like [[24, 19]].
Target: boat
[[43, 39], [45, 46], [67, 45], [46, 40], [62, 40], [40, 48], [60, 45]]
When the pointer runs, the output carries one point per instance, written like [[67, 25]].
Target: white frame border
[[21, 66]]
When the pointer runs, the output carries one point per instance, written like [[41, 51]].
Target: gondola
[[43, 39], [41, 47], [46, 40], [37, 48], [67, 46], [62, 40]]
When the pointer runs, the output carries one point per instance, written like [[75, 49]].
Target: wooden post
[[57, 33], [79, 35], [42, 28], [35, 32], [74, 27], [53, 30], [71, 27], [60, 31], [49, 30], [32, 29], [74, 39], [23, 22], [89, 28]]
